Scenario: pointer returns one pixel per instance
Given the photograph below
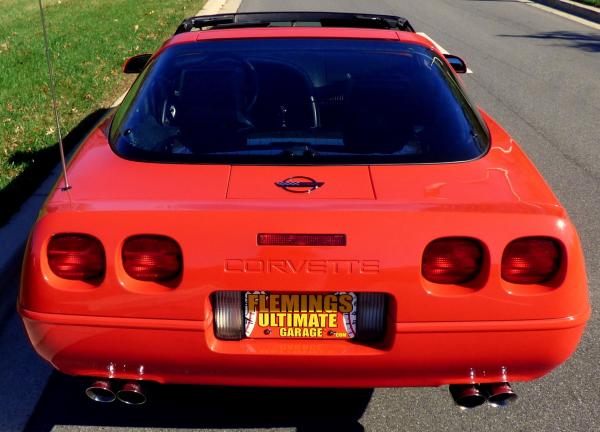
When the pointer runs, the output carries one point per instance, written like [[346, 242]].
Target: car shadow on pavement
[[38, 165], [589, 42], [63, 402]]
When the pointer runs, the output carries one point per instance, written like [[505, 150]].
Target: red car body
[[483, 331]]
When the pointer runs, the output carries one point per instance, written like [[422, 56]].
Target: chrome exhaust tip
[[132, 394], [100, 391], [500, 394], [467, 396]]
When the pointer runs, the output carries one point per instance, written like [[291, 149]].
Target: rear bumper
[[413, 354]]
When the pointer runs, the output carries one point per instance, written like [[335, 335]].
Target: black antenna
[[54, 102]]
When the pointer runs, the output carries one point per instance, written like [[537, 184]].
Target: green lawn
[[90, 39], [590, 2]]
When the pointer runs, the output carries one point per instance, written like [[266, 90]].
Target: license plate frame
[[300, 315]]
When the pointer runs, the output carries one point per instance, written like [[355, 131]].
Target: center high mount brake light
[[301, 239]]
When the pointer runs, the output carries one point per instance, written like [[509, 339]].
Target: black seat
[[379, 114], [285, 98], [209, 105]]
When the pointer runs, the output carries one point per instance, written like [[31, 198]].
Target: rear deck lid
[[300, 182]]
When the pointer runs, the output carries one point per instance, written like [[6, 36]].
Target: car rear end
[[441, 294], [383, 232]]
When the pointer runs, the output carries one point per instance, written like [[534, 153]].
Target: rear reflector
[[531, 260], [452, 260], [152, 258], [76, 256], [301, 240], [228, 315], [370, 320]]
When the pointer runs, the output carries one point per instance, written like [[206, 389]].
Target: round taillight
[[452, 260], [152, 258], [76, 256], [531, 260]]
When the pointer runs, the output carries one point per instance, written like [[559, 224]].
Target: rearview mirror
[[136, 64], [457, 63]]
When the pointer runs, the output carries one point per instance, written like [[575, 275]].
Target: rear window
[[298, 101]]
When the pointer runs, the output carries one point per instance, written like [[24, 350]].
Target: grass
[[590, 2], [89, 41]]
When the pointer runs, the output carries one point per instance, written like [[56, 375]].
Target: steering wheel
[[251, 75]]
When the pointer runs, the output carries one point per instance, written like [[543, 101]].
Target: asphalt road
[[539, 75]]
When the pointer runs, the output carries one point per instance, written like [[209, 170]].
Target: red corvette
[[302, 199]]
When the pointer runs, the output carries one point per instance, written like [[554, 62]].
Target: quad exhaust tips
[[500, 394], [130, 394], [100, 391], [472, 395], [467, 395]]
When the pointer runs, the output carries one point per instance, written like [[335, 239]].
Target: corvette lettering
[[302, 266]]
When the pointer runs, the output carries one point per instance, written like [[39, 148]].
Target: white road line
[[439, 47], [562, 14]]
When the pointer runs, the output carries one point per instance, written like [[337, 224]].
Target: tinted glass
[[298, 101]]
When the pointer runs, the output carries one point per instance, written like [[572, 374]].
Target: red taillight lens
[[301, 239], [76, 256], [152, 258], [531, 260], [452, 260]]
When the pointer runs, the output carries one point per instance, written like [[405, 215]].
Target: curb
[[213, 7], [580, 10]]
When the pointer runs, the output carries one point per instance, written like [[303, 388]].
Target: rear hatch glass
[[298, 101]]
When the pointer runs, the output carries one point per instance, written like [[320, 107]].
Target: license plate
[[299, 315]]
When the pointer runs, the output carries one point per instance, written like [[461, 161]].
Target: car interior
[[302, 103]]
